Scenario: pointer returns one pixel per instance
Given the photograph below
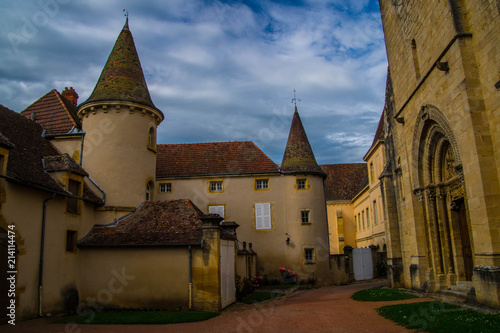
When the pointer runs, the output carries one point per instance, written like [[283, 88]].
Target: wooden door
[[228, 285]]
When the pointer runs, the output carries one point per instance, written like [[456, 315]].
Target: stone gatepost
[[348, 263]]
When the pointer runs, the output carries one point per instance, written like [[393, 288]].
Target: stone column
[[445, 231], [434, 229]]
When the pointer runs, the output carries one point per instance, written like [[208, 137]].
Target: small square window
[[71, 237], [305, 217], [309, 256], [301, 184], [216, 186], [261, 184], [166, 188]]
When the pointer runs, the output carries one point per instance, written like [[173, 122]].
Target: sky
[[218, 70]]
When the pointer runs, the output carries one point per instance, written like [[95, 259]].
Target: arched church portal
[[440, 188]]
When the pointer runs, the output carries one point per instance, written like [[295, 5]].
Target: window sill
[[309, 263], [153, 149]]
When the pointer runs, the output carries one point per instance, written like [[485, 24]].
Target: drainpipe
[[40, 267], [81, 148], [190, 284]]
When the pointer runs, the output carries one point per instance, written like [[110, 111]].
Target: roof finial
[[294, 99], [126, 20]]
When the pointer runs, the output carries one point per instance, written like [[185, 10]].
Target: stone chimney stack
[[71, 95]]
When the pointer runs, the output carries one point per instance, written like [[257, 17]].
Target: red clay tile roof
[[298, 152], [122, 78], [213, 158], [154, 223], [344, 180], [63, 163], [25, 159], [54, 112]]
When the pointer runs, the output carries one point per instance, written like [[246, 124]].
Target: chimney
[[70, 94]]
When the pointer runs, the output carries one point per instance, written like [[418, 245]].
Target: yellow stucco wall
[[369, 202], [341, 227]]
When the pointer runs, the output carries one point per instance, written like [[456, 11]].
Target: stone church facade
[[441, 183]]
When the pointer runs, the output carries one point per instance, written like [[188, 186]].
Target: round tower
[[306, 218], [120, 121]]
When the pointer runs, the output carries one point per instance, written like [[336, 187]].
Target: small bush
[[247, 285], [288, 276]]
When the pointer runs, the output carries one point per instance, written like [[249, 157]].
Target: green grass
[[139, 317], [380, 294], [438, 317], [259, 296]]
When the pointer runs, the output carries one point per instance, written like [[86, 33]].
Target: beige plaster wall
[[239, 198], [116, 153], [135, 277], [70, 145], [23, 208]]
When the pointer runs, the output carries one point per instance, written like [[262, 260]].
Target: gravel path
[[328, 309]]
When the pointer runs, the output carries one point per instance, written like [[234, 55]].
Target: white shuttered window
[[262, 216], [216, 210]]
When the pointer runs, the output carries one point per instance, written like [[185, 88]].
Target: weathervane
[[294, 99], [126, 20]]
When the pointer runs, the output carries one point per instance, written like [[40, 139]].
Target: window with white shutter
[[216, 210], [262, 216]]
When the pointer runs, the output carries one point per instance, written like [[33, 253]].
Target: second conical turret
[[299, 156]]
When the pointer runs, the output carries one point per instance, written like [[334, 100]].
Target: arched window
[[149, 191], [415, 58], [151, 138]]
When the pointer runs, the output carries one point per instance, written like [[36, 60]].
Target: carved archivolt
[[430, 130]]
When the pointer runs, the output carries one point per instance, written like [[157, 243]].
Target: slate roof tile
[[154, 223], [344, 181], [213, 158]]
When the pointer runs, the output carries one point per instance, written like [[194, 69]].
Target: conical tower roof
[[122, 78], [299, 156]]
